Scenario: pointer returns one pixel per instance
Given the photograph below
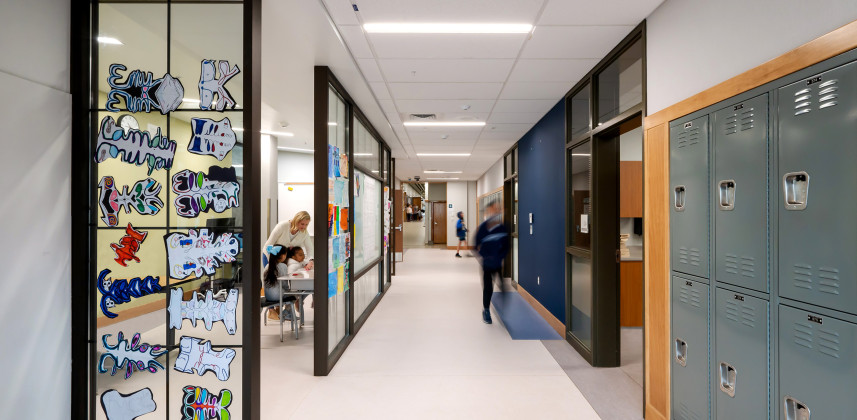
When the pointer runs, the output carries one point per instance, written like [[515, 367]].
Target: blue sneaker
[[486, 316]]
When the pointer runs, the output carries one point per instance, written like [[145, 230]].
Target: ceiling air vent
[[423, 117]]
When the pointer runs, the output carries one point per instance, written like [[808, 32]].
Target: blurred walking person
[[492, 244], [461, 232]]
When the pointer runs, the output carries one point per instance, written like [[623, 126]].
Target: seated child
[[296, 261]]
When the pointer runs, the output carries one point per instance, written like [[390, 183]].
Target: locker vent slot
[[803, 335], [827, 95], [828, 342], [802, 276], [747, 119], [803, 101], [828, 280], [693, 136], [694, 256], [682, 140], [684, 412], [731, 126], [732, 312], [695, 298], [684, 295], [748, 267], [690, 296], [731, 263], [682, 255], [741, 314]]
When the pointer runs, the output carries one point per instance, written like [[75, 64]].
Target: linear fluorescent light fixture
[[581, 154], [238, 129], [442, 154], [332, 123], [363, 154], [237, 166], [442, 172], [277, 133], [109, 40], [444, 124], [448, 28], [295, 149], [190, 101]]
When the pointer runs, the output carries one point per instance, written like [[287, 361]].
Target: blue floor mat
[[521, 320]]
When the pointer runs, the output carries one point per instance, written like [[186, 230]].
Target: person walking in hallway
[[492, 244], [461, 232]]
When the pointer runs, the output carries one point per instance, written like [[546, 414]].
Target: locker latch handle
[[681, 351], [679, 197], [795, 190], [728, 376], [795, 410], [727, 194]]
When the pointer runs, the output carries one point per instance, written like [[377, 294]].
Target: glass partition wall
[[354, 176], [164, 179]]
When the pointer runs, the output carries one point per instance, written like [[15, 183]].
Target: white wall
[[491, 179], [295, 168], [269, 186], [692, 45], [462, 197], [436, 191], [35, 218]]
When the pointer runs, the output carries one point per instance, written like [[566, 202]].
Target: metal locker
[[740, 136], [690, 349], [689, 191], [817, 367], [817, 179], [741, 356]]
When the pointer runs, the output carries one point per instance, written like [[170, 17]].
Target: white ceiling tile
[[455, 11], [490, 136], [574, 41], [410, 106], [442, 148], [452, 136], [445, 71], [370, 70], [462, 131], [541, 106], [518, 128], [449, 116], [380, 90], [570, 71], [515, 117], [602, 12], [447, 46], [445, 90], [356, 42], [388, 106], [341, 12], [553, 91], [394, 118]]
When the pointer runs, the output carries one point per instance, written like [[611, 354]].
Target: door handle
[[795, 190], [728, 377], [681, 351], [680, 192], [795, 410], [727, 195]]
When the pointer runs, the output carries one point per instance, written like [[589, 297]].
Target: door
[[438, 222], [399, 236], [690, 349], [689, 191]]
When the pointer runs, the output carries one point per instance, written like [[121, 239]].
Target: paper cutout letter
[[200, 404], [210, 137], [143, 198], [126, 249], [130, 355], [118, 406], [119, 291], [209, 84], [142, 92], [201, 357], [136, 146], [198, 192], [209, 310], [198, 253]]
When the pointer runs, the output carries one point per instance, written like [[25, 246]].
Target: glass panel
[[579, 113], [339, 238], [221, 379], [365, 290], [509, 169], [581, 299], [367, 220], [366, 148], [620, 85], [580, 185]]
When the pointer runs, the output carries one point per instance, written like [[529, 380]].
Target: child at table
[[277, 255], [296, 262]]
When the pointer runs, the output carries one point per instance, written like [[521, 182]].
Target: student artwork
[[337, 257], [336, 170], [343, 164], [215, 138], [340, 280], [330, 161], [209, 310], [209, 84], [198, 252], [331, 284], [201, 404], [331, 209], [142, 92], [126, 249], [198, 192], [193, 355], [347, 245], [118, 291], [118, 406], [130, 355], [143, 198], [343, 219], [136, 147]]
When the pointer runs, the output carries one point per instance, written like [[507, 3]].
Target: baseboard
[[464, 247], [552, 321]]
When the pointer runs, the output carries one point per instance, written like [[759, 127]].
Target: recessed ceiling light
[[442, 172], [363, 154], [443, 154], [295, 149], [109, 40], [444, 179], [277, 133], [444, 123], [448, 28], [239, 129], [237, 166], [332, 123], [581, 154]]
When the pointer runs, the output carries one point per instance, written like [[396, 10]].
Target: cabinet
[[631, 294], [630, 188]]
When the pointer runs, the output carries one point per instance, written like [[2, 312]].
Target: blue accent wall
[[541, 174]]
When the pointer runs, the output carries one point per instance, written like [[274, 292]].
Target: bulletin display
[[338, 236]]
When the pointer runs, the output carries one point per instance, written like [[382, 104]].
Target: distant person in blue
[[492, 243], [461, 232]]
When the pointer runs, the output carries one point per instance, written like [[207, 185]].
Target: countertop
[[636, 253]]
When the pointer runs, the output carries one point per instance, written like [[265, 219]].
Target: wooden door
[[438, 222], [398, 232]]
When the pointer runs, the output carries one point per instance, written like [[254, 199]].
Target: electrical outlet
[[538, 280]]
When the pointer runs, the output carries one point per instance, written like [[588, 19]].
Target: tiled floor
[[424, 353]]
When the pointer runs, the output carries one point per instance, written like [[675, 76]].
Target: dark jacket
[[460, 230], [493, 245]]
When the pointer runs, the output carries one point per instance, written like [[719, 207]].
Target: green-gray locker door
[[818, 367], [741, 356], [817, 183], [689, 196], [689, 349], [740, 195]]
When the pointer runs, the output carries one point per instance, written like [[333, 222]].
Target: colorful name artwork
[[202, 358], [142, 91], [215, 138], [198, 192], [119, 291], [143, 198], [126, 249], [209, 84], [118, 406], [199, 253], [130, 355], [200, 404], [209, 310], [136, 147]]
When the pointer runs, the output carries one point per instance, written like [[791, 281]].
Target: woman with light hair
[[293, 233]]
